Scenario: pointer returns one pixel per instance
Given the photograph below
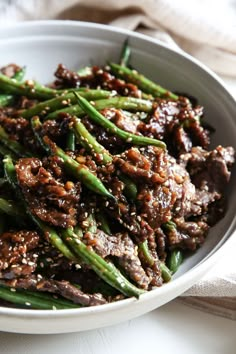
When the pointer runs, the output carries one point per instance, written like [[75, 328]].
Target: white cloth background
[[204, 28]]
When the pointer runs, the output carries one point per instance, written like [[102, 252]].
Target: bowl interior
[[41, 46]]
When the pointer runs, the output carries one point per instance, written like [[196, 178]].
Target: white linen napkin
[[204, 28]]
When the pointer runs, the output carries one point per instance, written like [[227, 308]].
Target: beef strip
[[63, 288], [187, 234], [164, 187], [121, 247], [10, 70], [19, 129], [110, 141], [67, 77], [142, 168], [103, 79], [209, 168], [161, 243], [49, 197], [18, 253], [177, 123], [56, 130], [210, 172]]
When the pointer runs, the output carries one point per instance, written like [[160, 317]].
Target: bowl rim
[[203, 265]]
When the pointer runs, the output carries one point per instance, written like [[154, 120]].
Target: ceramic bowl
[[41, 46]]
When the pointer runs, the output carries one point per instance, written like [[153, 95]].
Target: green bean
[[141, 81], [65, 100], [103, 222], [5, 151], [10, 172], [50, 234], [128, 103], [20, 74], [79, 171], [130, 189], [86, 71], [5, 99], [36, 125], [11, 208], [32, 89], [165, 272], [112, 128], [125, 53], [54, 238], [143, 247], [92, 225], [169, 225], [136, 115], [27, 88], [102, 155], [34, 299], [13, 145], [107, 271], [176, 256], [90, 142], [174, 260], [70, 140]]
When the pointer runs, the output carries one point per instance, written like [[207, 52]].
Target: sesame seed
[[13, 290], [27, 303], [29, 83]]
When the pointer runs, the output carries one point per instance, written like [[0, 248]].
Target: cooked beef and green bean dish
[[107, 183]]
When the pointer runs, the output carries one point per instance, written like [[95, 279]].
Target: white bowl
[[41, 46]]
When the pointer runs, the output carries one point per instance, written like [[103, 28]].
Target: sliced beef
[[181, 140], [67, 77], [209, 171], [122, 247], [19, 129], [156, 204], [144, 164], [63, 288], [57, 130], [10, 70], [187, 234], [18, 253], [111, 142], [177, 123], [161, 244], [164, 187], [121, 119], [102, 79], [50, 198]]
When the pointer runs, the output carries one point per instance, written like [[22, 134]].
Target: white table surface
[[171, 329]]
